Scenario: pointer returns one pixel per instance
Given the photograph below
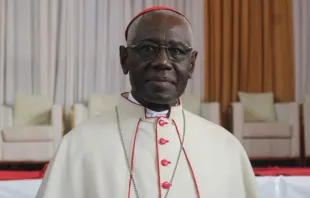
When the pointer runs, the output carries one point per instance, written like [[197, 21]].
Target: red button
[[165, 185], [162, 123], [163, 141], [165, 162]]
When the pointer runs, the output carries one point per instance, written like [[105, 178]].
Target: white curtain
[[301, 21], [25, 44], [68, 49]]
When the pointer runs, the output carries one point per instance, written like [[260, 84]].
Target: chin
[[160, 93], [161, 98]]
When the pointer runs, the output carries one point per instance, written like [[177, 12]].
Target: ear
[[193, 63], [123, 54]]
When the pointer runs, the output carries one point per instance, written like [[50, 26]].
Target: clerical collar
[[149, 112]]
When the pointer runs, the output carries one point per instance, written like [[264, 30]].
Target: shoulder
[[95, 124], [94, 132], [210, 131], [209, 136]]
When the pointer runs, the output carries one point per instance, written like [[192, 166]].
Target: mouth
[[161, 80]]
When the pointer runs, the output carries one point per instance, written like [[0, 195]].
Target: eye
[[176, 51], [148, 48]]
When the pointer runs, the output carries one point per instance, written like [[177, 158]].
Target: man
[[148, 146]]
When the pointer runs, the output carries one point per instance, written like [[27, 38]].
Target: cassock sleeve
[[57, 181], [249, 179]]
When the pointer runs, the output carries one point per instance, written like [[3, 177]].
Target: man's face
[[159, 74]]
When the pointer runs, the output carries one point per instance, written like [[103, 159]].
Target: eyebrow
[[158, 41]]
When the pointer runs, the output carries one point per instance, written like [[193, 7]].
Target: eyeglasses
[[176, 52]]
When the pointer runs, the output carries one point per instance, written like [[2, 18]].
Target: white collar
[[149, 112]]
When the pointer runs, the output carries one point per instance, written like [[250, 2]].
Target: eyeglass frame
[[189, 49]]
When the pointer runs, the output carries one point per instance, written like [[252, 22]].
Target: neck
[[152, 106]]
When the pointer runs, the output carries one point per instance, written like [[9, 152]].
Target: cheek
[[133, 61], [184, 72], [183, 76], [183, 79], [137, 73]]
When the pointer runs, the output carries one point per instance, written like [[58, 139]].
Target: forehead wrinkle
[[134, 27]]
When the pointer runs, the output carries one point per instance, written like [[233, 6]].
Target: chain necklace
[[127, 158]]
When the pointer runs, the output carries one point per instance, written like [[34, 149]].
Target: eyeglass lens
[[175, 52]]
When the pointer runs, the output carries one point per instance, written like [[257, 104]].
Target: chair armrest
[[57, 116], [79, 114], [29, 134], [6, 120], [306, 122], [238, 120], [288, 113], [57, 122], [211, 112], [6, 117]]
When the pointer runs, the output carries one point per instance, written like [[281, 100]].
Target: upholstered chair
[[31, 129], [266, 129]]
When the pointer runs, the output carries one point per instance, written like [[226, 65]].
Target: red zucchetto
[[150, 9]]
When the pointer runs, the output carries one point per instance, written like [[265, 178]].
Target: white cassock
[[90, 162]]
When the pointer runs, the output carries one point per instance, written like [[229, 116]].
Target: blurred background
[[59, 66]]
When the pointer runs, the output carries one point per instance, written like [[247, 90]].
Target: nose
[[162, 61]]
